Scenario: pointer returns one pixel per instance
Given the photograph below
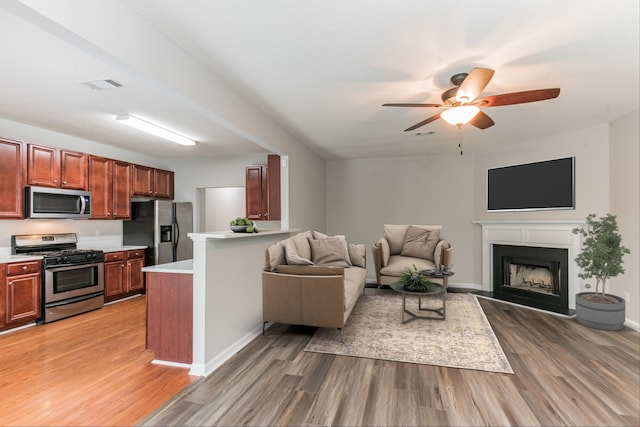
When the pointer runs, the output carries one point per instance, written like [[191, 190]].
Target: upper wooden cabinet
[[151, 182], [51, 167], [110, 186], [11, 184], [263, 190]]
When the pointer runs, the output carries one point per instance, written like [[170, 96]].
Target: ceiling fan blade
[[474, 84], [424, 122], [412, 105], [519, 97], [482, 121]]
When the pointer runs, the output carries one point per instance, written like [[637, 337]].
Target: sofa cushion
[[354, 279], [357, 255], [301, 242], [275, 256], [330, 251], [310, 270], [398, 263], [292, 256], [320, 236], [420, 243]]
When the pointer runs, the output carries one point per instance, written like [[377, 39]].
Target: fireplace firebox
[[533, 276]]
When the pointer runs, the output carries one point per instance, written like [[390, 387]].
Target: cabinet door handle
[[24, 267], [55, 181], [11, 283], [64, 182]]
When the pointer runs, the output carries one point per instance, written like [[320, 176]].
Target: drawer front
[[113, 256], [18, 268], [138, 253]]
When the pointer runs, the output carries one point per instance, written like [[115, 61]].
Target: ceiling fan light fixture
[[460, 115], [154, 129]]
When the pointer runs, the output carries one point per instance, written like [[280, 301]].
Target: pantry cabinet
[[123, 275], [11, 184], [110, 186], [151, 182], [52, 167], [263, 190], [22, 293]]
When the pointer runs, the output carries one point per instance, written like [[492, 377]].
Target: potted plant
[[413, 280], [600, 258]]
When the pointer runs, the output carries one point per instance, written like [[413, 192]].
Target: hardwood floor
[[91, 369], [565, 374]]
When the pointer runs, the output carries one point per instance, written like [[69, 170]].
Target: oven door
[[72, 281]]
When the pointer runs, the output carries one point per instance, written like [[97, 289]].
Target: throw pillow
[[301, 242], [420, 243], [292, 256], [330, 251], [320, 236], [275, 256], [357, 255]]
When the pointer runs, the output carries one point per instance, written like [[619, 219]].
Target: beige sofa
[[403, 246], [312, 279]]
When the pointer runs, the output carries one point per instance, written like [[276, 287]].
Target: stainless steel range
[[72, 278]]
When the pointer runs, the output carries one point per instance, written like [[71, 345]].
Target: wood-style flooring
[[565, 374], [88, 370]]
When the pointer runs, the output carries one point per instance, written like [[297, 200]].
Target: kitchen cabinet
[[22, 293], [263, 190], [151, 182], [52, 167], [123, 275], [110, 186], [11, 184]]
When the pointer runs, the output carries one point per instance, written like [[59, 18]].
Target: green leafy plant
[[602, 252], [413, 280]]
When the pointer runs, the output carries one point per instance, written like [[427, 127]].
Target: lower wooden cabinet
[[20, 293], [123, 275]]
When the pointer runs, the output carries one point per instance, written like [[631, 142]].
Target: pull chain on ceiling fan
[[461, 103]]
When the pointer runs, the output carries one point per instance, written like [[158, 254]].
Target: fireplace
[[545, 235], [534, 276]]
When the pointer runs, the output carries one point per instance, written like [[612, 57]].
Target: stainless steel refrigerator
[[161, 226]]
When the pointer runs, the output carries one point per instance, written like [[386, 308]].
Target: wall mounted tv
[[532, 186]]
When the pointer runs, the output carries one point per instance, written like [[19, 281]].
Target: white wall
[[364, 194], [625, 203]]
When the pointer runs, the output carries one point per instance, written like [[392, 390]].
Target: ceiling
[[320, 69]]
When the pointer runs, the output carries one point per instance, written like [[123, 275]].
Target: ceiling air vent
[[104, 84]]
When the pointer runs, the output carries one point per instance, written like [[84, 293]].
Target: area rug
[[375, 330]]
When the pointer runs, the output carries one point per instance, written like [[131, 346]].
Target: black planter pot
[[609, 317]]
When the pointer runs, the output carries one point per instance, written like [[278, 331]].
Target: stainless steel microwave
[[43, 202]]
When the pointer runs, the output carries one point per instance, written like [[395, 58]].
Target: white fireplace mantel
[[546, 234]]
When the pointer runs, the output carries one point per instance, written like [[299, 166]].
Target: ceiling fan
[[461, 103]]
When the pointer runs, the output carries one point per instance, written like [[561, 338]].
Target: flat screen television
[[532, 186]]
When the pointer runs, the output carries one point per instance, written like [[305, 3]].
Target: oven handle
[[72, 300], [72, 266]]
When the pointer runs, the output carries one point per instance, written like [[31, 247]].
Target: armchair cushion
[[420, 243], [398, 264], [310, 270], [395, 235]]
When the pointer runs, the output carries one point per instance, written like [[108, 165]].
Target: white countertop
[[231, 235], [18, 258], [179, 267]]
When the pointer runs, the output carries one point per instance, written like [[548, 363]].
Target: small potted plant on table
[[600, 258]]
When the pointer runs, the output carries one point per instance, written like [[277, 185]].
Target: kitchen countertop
[[179, 267], [18, 258]]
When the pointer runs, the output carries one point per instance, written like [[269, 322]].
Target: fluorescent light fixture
[[460, 115], [154, 129]]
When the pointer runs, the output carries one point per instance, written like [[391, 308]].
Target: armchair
[[402, 246]]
